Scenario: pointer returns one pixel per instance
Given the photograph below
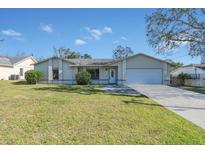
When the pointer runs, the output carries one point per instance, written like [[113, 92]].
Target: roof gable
[[138, 54], [82, 62], [142, 54], [98, 62], [10, 61]]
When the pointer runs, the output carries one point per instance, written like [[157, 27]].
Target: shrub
[[33, 76], [183, 76], [83, 78]]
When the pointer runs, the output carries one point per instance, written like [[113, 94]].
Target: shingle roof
[[96, 62], [9, 61], [87, 62], [196, 65]]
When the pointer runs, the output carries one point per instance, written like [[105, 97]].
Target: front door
[[112, 76]]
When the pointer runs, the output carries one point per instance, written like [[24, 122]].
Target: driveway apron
[[187, 104]]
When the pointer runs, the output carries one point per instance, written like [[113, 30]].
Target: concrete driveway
[[187, 104]]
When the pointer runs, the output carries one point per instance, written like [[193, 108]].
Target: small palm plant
[[183, 76]]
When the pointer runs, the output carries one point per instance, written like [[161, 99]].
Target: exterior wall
[[188, 70], [66, 72], [27, 64], [6, 72], [121, 72], [103, 74], [191, 70], [166, 73], [43, 67], [141, 61]]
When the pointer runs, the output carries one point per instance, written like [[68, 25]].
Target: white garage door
[[144, 76]]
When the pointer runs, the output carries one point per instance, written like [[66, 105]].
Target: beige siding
[[6, 72], [43, 67], [55, 63], [143, 62], [27, 64], [104, 75], [67, 71]]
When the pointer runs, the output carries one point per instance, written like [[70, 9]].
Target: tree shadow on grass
[[177, 108], [128, 95], [135, 102], [194, 89]]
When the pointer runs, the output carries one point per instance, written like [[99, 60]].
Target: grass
[[195, 89], [60, 114]]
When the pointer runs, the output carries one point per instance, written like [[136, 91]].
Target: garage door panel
[[144, 76]]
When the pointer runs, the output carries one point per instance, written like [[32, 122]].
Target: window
[[94, 73], [21, 72], [55, 74]]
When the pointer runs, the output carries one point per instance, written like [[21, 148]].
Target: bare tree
[[122, 52], [168, 29], [67, 53], [61, 52]]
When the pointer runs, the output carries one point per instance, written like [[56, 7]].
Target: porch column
[[60, 70], [124, 71], [50, 71], [165, 74]]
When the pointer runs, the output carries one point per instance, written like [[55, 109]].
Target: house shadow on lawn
[[20, 83], [85, 89]]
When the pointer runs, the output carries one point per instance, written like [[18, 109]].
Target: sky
[[94, 31]]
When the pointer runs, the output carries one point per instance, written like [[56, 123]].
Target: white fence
[[196, 82]]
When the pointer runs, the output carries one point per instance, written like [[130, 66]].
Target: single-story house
[[136, 69], [14, 68], [196, 71]]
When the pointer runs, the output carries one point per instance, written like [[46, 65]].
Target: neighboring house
[[14, 68], [196, 71], [137, 69]]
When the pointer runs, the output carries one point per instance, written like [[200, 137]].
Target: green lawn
[[57, 114], [195, 89]]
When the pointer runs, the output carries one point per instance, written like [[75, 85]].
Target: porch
[[101, 74]]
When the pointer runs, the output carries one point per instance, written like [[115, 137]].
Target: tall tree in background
[[63, 52], [168, 29], [122, 52], [73, 55], [174, 65], [86, 56]]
